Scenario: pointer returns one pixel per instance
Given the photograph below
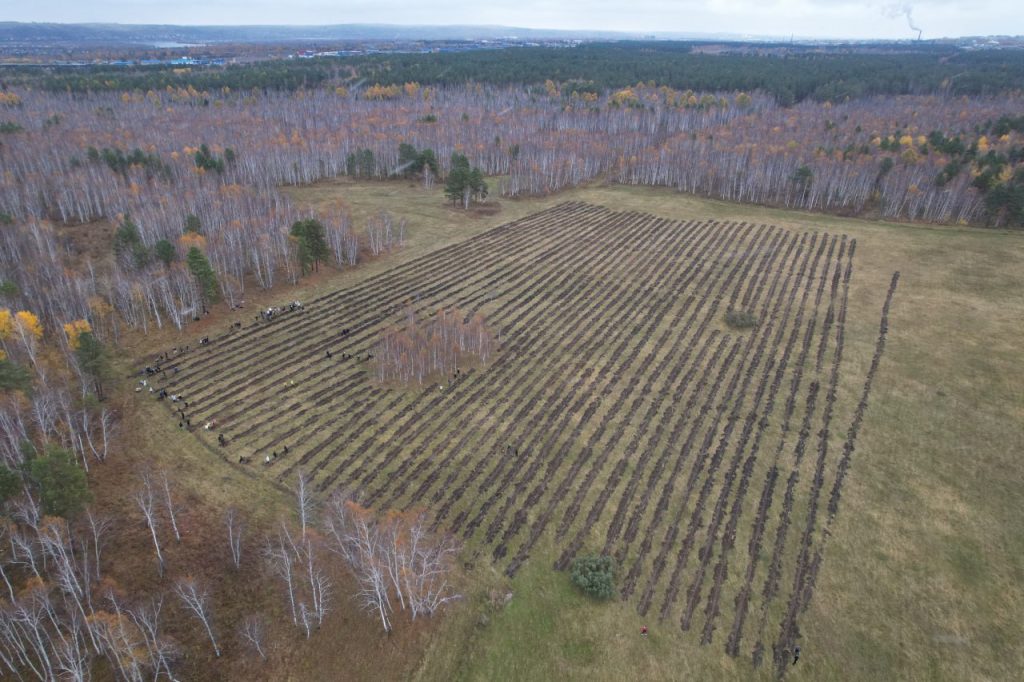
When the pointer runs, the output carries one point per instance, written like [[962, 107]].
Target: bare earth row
[[621, 415]]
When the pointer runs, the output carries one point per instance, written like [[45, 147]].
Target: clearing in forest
[[620, 413]]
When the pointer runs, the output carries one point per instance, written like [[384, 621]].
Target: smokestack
[[908, 11]]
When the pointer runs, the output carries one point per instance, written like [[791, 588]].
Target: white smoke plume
[[895, 10]]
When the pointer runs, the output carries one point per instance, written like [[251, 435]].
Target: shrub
[[740, 319], [595, 575]]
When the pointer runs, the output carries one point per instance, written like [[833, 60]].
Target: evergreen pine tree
[[204, 274], [94, 360]]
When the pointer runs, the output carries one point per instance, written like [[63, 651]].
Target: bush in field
[[595, 575], [740, 319]]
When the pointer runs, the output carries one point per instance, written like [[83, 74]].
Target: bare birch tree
[[197, 600], [235, 528], [169, 501], [144, 499], [253, 631]]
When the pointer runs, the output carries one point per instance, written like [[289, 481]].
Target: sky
[[804, 18]]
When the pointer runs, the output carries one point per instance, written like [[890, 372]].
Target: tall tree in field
[[312, 244], [464, 184], [458, 178], [204, 274], [94, 361], [477, 184], [408, 160], [428, 166]]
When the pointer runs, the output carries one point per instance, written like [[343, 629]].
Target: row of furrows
[[595, 248], [362, 314], [655, 319], [561, 423], [770, 383], [764, 503], [520, 344], [525, 404], [709, 465], [660, 561], [532, 498], [760, 521], [806, 593], [625, 501], [597, 508], [788, 629], [401, 275], [774, 575]]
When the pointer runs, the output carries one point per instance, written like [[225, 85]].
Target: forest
[[789, 73], [75, 158]]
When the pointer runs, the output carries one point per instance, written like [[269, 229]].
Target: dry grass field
[[712, 462]]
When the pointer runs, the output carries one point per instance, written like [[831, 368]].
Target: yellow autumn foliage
[[379, 92], [624, 96], [190, 239], [29, 323], [6, 323], [74, 330]]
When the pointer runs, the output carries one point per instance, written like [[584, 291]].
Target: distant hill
[[16, 32], [12, 33]]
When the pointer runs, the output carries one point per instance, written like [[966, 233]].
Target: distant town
[[79, 45]]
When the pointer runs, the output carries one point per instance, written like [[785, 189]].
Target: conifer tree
[[204, 274]]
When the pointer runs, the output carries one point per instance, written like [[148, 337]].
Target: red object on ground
[[643, 630]]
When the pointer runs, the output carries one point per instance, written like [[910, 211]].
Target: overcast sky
[[818, 18]]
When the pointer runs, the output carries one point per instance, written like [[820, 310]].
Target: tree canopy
[[311, 243], [464, 184], [200, 268], [60, 483], [94, 361]]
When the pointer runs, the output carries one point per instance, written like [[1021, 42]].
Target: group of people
[[184, 419], [270, 312], [349, 356], [272, 457]]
